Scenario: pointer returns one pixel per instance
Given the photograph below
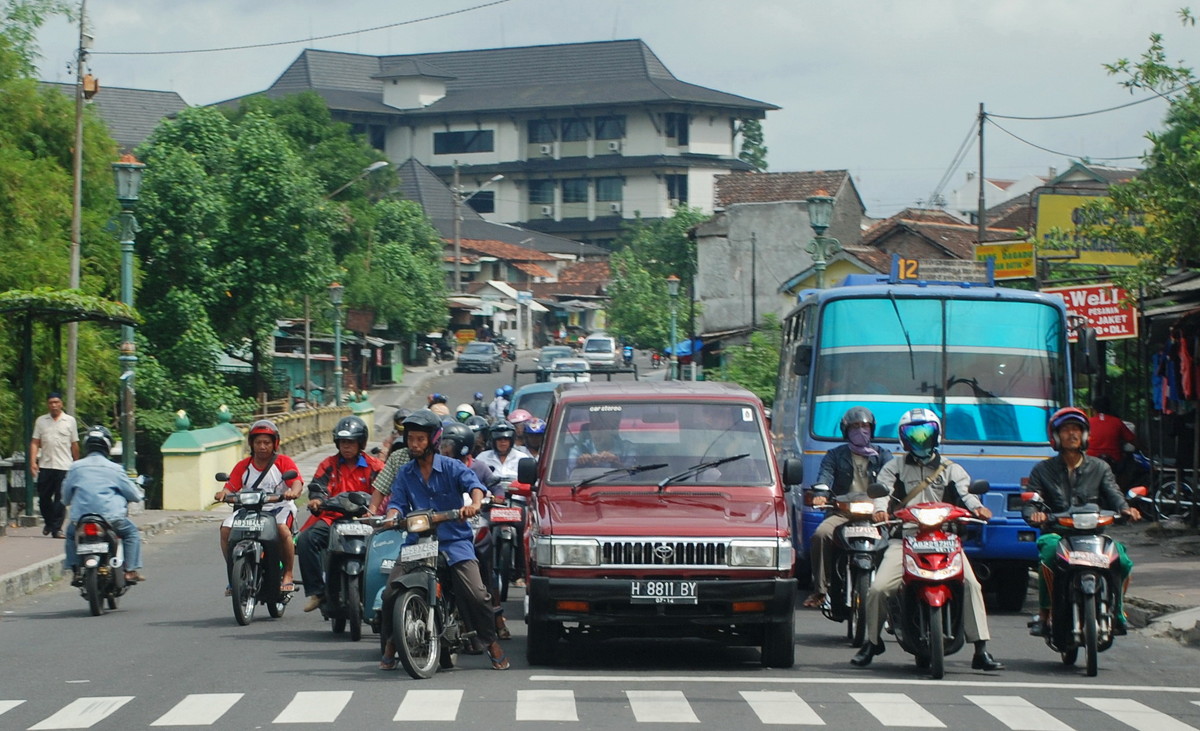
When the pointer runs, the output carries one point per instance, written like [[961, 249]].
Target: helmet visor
[[921, 438]]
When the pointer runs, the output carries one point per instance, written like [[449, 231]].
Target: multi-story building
[[585, 135]]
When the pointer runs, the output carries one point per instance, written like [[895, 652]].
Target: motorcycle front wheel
[[243, 581], [504, 559], [1090, 640], [416, 640], [352, 600], [856, 623], [91, 590], [937, 644]]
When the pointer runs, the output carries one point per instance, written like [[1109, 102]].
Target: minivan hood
[[603, 511]]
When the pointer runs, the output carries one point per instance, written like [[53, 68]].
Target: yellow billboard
[[1065, 212], [1013, 261]]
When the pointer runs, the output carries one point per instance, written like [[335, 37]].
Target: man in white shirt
[[500, 462], [52, 448]]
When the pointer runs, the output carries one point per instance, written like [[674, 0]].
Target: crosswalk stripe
[[315, 706], [896, 709], [1137, 715], [660, 706], [781, 707], [6, 706], [199, 709], [429, 705], [82, 713], [546, 705], [1017, 713]]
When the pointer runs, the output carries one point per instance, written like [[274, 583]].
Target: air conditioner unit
[[547, 210], [547, 149], [614, 146], [614, 207]]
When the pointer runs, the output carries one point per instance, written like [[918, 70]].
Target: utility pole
[[753, 281], [982, 211], [457, 233], [76, 205]]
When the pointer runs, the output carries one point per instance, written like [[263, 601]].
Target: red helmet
[[1067, 415], [263, 426], [518, 416]]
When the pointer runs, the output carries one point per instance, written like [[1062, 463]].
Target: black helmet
[[461, 436], [477, 423], [501, 430], [98, 439], [399, 416], [426, 421], [351, 428], [857, 415]]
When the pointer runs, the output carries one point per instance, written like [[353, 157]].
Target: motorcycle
[[429, 630], [1084, 587], [255, 569], [627, 356], [383, 546], [344, 561], [101, 563], [506, 519], [926, 615], [655, 359], [858, 548]]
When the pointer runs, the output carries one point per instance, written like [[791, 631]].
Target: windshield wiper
[[619, 471], [697, 469]]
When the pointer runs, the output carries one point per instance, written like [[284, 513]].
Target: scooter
[[627, 356], [858, 547], [1083, 589], [926, 615], [344, 561], [254, 568], [101, 563], [655, 359], [506, 518], [383, 547]]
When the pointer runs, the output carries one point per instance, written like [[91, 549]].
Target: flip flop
[[499, 663], [290, 586], [388, 663], [814, 601]]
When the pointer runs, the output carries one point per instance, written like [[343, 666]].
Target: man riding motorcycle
[[1071, 479], [922, 468], [501, 460], [462, 412], [350, 470]]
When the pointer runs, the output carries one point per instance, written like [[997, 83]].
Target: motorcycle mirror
[[221, 477], [376, 451], [290, 475], [1028, 496], [877, 490], [979, 487], [1136, 492]]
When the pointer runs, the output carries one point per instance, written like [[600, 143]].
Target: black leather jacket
[[837, 468], [1094, 483]]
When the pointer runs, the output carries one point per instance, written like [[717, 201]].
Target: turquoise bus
[[992, 362]]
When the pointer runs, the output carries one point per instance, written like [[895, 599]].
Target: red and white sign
[[1105, 307]]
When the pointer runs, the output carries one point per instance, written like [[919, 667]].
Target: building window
[[575, 190], [677, 189], [454, 143], [609, 190], [483, 201], [375, 134], [542, 130], [574, 130], [541, 192], [677, 127], [610, 128]]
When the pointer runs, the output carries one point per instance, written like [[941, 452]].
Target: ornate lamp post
[[128, 175], [335, 296], [673, 290], [820, 212]]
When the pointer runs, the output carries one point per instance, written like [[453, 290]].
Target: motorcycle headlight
[[931, 516], [572, 551], [250, 498], [418, 523], [953, 569], [753, 554], [1086, 521]]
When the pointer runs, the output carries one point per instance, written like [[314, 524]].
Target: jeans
[[129, 536], [310, 549]]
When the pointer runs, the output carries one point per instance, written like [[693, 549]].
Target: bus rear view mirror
[[802, 360], [1085, 353]]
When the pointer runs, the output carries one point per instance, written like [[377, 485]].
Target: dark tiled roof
[[877, 259], [928, 215], [412, 67], [130, 114], [957, 239], [1013, 213], [751, 187], [533, 270], [585, 271]]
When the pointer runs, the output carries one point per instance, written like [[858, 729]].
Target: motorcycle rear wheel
[[856, 623], [1090, 647], [937, 644], [504, 556], [91, 590], [1069, 656], [418, 644], [242, 587], [353, 602]]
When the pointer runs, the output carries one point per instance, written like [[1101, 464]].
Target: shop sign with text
[[1106, 308]]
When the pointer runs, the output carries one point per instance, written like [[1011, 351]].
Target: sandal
[[814, 601], [388, 662], [289, 586], [499, 661]]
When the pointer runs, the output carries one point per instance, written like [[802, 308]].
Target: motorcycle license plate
[[353, 529], [860, 531], [92, 548], [419, 551], [247, 523], [934, 546], [506, 515], [1087, 558], [386, 565], [662, 592]]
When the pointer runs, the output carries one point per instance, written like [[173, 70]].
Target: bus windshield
[[993, 369]]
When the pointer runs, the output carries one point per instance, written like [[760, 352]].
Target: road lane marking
[[6, 706], [315, 706], [83, 713], [429, 705], [1137, 715], [802, 680], [781, 707], [1017, 713], [660, 706], [897, 709], [199, 709], [546, 705]]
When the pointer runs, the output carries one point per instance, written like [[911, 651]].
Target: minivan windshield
[[598, 345], [592, 438]]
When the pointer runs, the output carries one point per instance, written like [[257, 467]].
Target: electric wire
[[302, 40], [963, 148], [1157, 95], [987, 118]]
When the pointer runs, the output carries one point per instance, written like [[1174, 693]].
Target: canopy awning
[[685, 347]]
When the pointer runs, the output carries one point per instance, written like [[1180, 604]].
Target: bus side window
[[802, 359]]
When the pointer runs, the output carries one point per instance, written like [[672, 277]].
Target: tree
[[756, 364], [20, 21], [753, 151], [637, 302]]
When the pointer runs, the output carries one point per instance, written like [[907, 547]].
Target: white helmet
[[920, 433], [462, 412]]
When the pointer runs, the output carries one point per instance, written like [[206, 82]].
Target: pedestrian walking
[[52, 448]]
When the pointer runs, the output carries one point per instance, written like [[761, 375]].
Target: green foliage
[[756, 364], [638, 310], [753, 151], [19, 24]]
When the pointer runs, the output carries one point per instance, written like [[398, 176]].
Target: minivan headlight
[[753, 554], [568, 552]]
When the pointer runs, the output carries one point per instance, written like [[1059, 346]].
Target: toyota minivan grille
[[664, 552]]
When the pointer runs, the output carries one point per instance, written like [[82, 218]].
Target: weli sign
[[1106, 308]]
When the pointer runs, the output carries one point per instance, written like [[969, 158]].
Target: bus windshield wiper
[[618, 471], [912, 363], [697, 469]]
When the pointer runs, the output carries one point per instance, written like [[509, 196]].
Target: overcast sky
[[887, 89]]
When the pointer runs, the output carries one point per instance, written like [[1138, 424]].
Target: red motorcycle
[[927, 613]]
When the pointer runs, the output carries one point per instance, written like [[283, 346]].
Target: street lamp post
[[458, 201], [128, 175], [820, 212], [335, 296], [673, 290]]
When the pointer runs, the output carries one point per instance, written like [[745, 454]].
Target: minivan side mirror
[[527, 470], [802, 359], [793, 472]]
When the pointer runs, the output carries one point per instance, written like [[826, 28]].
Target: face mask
[[859, 436]]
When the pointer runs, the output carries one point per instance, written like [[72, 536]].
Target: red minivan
[[659, 511]]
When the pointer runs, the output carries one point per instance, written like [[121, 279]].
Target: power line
[[302, 40], [988, 119], [1157, 95], [963, 148]]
